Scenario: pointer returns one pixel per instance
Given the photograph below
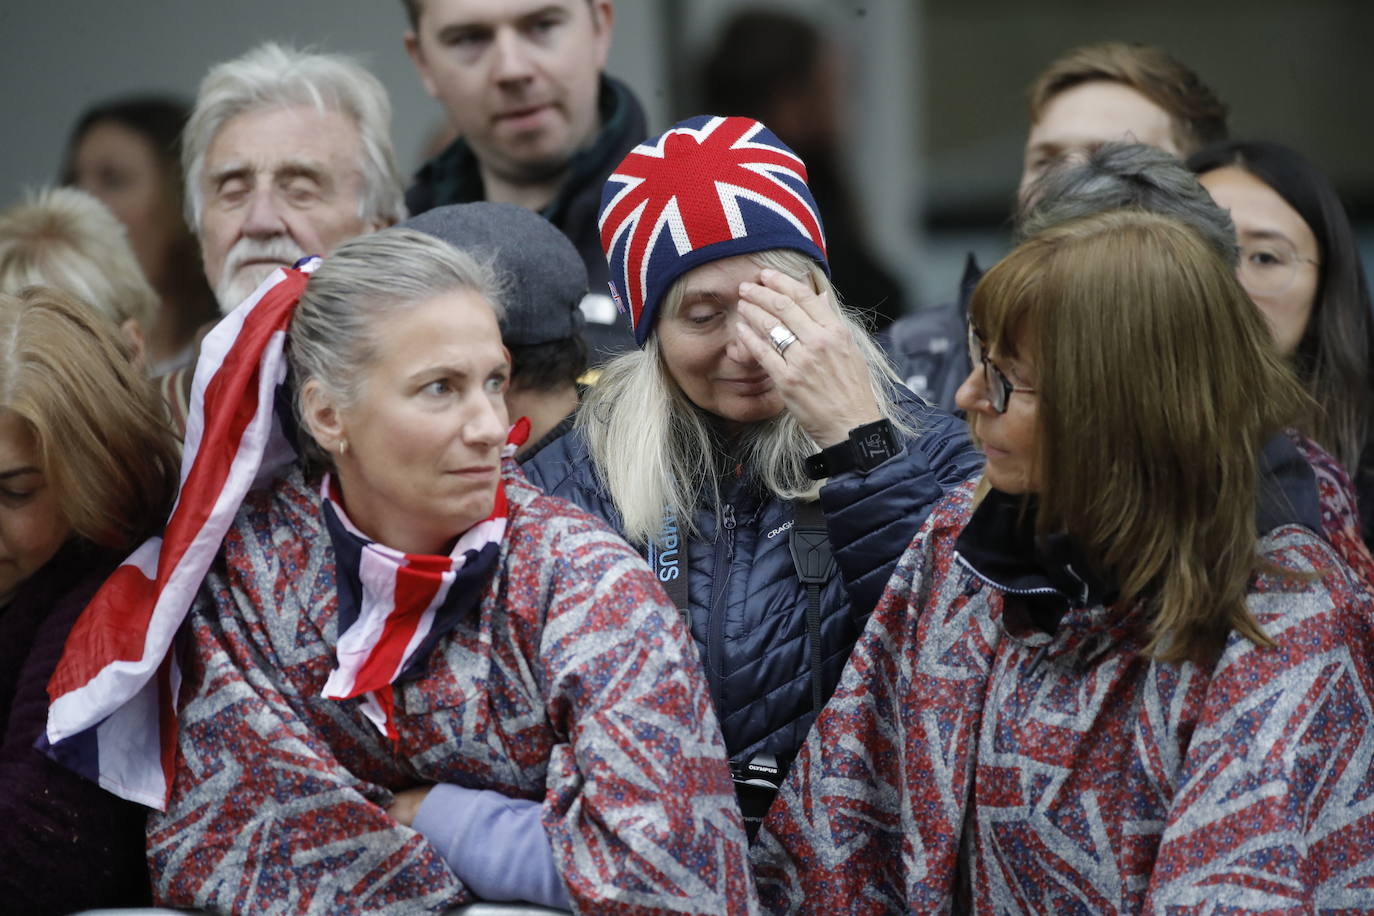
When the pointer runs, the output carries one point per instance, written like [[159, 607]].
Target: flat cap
[[542, 275]]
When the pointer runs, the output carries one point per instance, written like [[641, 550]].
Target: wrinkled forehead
[[269, 140]]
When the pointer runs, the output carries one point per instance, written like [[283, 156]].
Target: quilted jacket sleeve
[[262, 817], [1273, 812], [873, 516], [640, 809]]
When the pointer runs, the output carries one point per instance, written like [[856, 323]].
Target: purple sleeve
[[494, 844]]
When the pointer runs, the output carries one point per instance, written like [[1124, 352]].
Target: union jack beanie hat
[[709, 188]]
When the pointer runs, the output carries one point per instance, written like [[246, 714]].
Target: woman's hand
[[821, 376], [405, 805]]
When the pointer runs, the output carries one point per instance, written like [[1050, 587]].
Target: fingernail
[[767, 273]]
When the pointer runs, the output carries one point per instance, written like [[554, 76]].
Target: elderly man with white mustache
[[286, 154]]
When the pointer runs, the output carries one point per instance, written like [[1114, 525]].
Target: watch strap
[[867, 447]]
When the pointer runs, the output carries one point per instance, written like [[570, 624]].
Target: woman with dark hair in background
[[88, 468], [1299, 263], [1123, 673], [126, 153]]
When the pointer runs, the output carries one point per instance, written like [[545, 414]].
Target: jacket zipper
[[1004, 588], [715, 634], [1044, 649]]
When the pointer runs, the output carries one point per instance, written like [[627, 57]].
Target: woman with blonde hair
[[65, 238], [1123, 673], [88, 468], [756, 433]]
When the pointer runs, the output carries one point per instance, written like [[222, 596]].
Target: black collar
[[454, 176], [1052, 573]]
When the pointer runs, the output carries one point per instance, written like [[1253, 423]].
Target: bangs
[[1005, 301]]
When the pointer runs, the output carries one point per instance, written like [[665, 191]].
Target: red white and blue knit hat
[[709, 188]]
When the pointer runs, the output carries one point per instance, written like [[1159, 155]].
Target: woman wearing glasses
[[1122, 673], [1299, 263]]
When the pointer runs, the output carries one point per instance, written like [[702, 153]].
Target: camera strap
[[668, 560], [815, 562]]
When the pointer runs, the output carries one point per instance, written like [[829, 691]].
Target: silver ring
[[782, 338]]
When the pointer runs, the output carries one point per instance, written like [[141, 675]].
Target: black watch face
[[873, 446]]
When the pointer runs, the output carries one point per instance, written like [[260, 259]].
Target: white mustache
[[234, 288], [278, 248]]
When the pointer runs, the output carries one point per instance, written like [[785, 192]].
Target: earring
[[343, 447]]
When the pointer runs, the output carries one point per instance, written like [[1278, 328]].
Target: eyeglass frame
[[1285, 244], [999, 388]]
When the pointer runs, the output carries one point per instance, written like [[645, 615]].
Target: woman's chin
[[744, 411]]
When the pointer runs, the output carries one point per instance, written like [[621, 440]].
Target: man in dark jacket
[[539, 124], [1091, 95]]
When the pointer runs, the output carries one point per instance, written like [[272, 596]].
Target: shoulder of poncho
[[1294, 546], [1328, 607], [950, 513], [549, 518]]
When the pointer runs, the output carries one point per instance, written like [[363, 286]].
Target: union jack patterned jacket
[[971, 762], [573, 684]]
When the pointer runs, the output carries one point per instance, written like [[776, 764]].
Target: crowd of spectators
[[585, 522]]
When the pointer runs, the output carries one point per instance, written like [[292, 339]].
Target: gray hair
[[654, 450], [358, 287], [1118, 176], [273, 76], [66, 238]]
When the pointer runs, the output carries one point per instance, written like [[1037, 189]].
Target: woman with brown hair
[[1122, 673], [88, 468]]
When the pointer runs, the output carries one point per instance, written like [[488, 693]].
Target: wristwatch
[[867, 447]]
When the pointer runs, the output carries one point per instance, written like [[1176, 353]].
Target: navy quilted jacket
[[748, 610]]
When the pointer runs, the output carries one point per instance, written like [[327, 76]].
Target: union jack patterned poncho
[[573, 684], [968, 764]]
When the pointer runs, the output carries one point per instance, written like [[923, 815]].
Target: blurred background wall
[[934, 89]]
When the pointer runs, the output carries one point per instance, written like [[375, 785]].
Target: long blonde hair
[[1158, 384], [104, 441], [654, 450]]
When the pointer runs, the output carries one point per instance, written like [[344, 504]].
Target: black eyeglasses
[[997, 385]]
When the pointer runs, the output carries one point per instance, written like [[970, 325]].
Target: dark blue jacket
[[748, 609], [929, 348]]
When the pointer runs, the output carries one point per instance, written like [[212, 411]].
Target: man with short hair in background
[[286, 154], [540, 125], [1091, 95]]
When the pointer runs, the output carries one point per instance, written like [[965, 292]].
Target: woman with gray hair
[[412, 678]]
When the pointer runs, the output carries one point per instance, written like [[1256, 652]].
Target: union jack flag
[[112, 715], [720, 187]]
